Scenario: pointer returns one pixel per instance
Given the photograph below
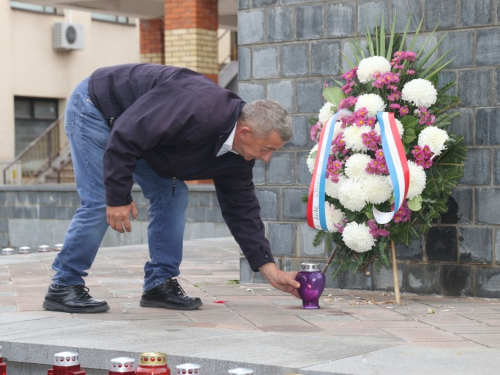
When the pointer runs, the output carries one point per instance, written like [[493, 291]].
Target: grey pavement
[[241, 325]]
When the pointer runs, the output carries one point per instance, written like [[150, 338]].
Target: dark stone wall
[[289, 48]]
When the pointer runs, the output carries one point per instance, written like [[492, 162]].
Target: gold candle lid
[[153, 359]]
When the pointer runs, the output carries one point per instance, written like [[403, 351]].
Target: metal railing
[[228, 49], [35, 158]]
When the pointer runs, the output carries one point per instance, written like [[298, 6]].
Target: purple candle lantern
[[312, 283]]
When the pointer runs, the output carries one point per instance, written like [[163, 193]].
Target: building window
[[32, 117], [33, 7], [111, 18]]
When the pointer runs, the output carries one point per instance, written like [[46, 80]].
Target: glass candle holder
[[122, 366], [66, 363], [312, 283], [153, 363], [188, 368], [3, 366]]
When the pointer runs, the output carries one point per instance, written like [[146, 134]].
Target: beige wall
[[31, 67]]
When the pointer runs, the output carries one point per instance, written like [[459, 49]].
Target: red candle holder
[[66, 363], [3, 366], [122, 366], [153, 363]]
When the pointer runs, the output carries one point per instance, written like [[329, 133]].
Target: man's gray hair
[[265, 116]]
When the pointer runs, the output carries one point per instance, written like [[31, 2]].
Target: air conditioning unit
[[68, 36]]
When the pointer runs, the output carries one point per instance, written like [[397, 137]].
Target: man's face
[[252, 148]]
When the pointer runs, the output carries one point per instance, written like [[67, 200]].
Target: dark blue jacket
[[177, 120]]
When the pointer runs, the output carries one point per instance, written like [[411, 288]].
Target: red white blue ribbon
[[395, 157], [316, 202]]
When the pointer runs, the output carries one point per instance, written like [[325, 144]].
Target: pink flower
[[375, 231], [403, 214], [316, 131]]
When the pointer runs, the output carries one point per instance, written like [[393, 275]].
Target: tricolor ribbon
[[316, 202], [395, 157]]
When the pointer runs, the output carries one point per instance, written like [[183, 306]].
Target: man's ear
[[245, 131]]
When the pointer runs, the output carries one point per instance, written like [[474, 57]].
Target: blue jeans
[[88, 133]]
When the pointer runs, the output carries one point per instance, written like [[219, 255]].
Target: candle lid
[[7, 251], [188, 368], [66, 359], [153, 359], [58, 247], [122, 364], [24, 250], [241, 371], [43, 248], [309, 267], [0, 352]]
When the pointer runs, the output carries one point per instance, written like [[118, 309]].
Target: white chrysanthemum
[[332, 188], [371, 65], [355, 166], [378, 188], [311, 161], [333, 216], [352, 137], [420, 92], [433, 137], [417, 180], [399, 125], [358, 237], [372, 102], [326, 112], [337, 130], [352, 195]]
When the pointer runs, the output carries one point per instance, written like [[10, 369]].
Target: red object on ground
[[219, 301], [3, 366], [66, 363], [153, 363]]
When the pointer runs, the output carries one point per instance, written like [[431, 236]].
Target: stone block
[[463, 125], [265, 62], [496, 166], [462, 43], [303, 175], [2, 197], [306, 236], [246, 274], [293, 207], [487, 41], [189, 215], [301, 133], [281, 236], [295, 61], [259, 173], [383, 279], [293, 1], [142, 214], [456, 280], [46, 197], [4, 239], [281, 169], [22, 197], [47, 212], [18, 212], [414, 251], [251, 91], [310, 21], [476, 13], [193, 199], [7, 212], [487, 206], [496, 88], [422, 278], [497, 246], [441, 244], [206, 199], [445, 77], [464, 200], [370, 13], [475, 87], [333, 278], [442, 14], [487, 282], [404, 10], [250, 27], [244, 63], [268, 199], [309, 96], [31, 212], [4, 225], [477, 167], [11, 198], [357, 280], [282, 92], [213, 215], [65, 198], [280, 24], [476, 245], [264, 3], [429, 45], [340, 19], [243, 4], [348, 52], [487, 129], [325, 58], [61, 213]]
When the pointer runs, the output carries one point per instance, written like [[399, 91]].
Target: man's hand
[[281, 280], [118, 217]]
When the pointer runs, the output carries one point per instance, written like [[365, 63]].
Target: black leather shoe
[[169, 295], [72, 299]]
